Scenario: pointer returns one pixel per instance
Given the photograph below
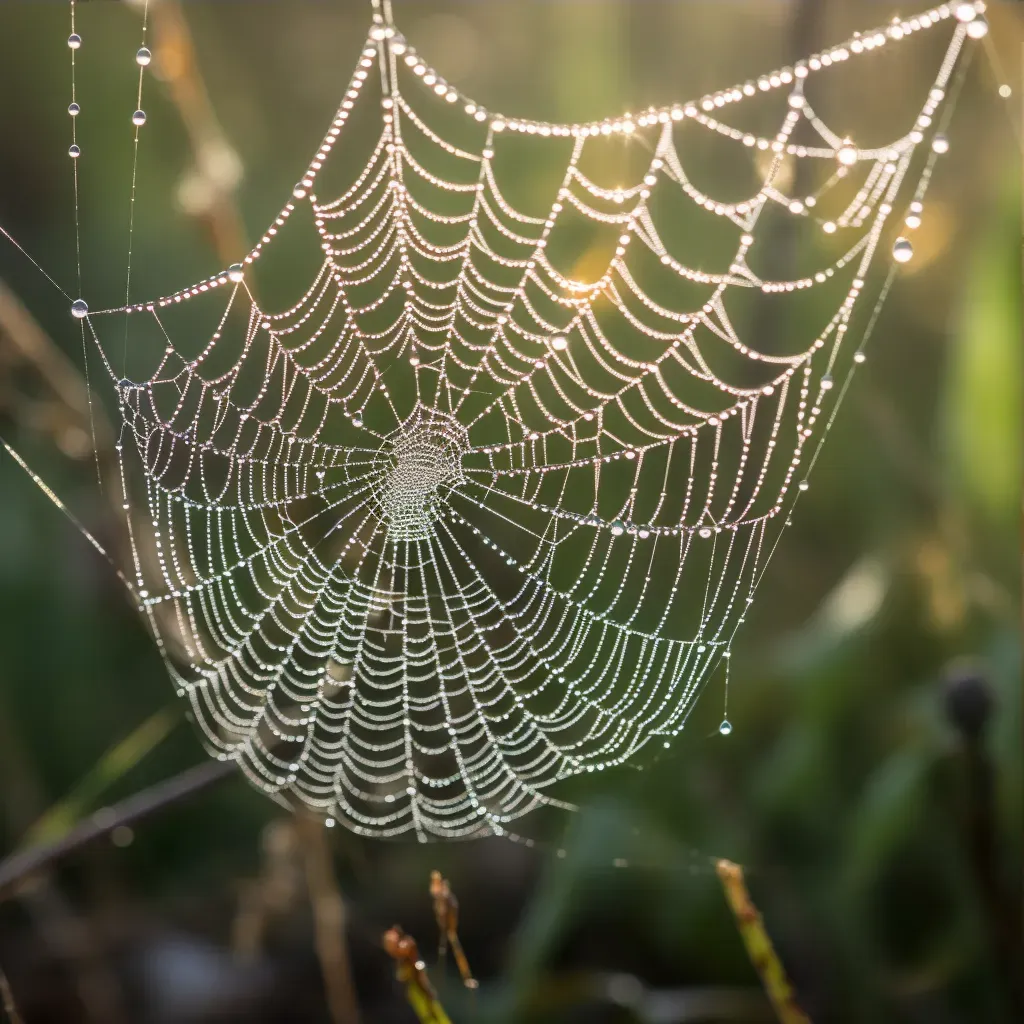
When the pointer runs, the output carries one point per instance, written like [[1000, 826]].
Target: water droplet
[[965, 12], [978, 29], [143, 56], [299, 191], [726, 727], [236, 272], [139, 118], [79, 309], [847, 154], [826, 382], [74, 109], [940, 144], [559, 343], [803, 485], [74, 40], [1005, 91], [618, 529], [357, 421], [74, 152], [902, 250]]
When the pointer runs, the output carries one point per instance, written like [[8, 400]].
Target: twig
[[759, 946], [7, 1000], [124, 755], [328, 919], [14, 870], [412, 973], [446, 913]]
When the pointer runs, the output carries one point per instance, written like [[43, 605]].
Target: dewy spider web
[[468, 518]]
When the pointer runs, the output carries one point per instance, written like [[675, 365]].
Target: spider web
[[484, 507]]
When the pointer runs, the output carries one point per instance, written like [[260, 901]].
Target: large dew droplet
[[74, 152], [139, 118], [143, 57], [74, 40], [236, 272], [79, 309], [74, 109], [726, 727], [847, 154], [940, 144], [902, 250]]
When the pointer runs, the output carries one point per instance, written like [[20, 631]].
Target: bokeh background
[[872, 787]]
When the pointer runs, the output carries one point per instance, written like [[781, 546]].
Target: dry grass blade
[[759, 946], [446, 913]]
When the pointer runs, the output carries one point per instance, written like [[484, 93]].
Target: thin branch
[[759, 946], [20, 866]]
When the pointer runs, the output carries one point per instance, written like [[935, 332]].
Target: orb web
[[485, 505]]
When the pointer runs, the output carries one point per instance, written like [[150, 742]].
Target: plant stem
[[427, 1009], [18, 867], [759, 946], [328, 920]]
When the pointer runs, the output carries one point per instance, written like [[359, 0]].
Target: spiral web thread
[[460, 522]]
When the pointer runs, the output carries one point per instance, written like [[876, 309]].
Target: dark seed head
[[968, 698]]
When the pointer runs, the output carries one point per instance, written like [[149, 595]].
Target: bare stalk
[[759, 946], [16, 869], [328, 920]]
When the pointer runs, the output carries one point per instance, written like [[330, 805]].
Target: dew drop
[[74, 40], [847, 154], [74, 109], [357, 421], [726, 727], [79, 309], [826, 382], [143, 56], [902, 250], [236, 273], [139, 118], [299, 192], [940, 144], [74, 152], [978, 28], [618, 529]]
